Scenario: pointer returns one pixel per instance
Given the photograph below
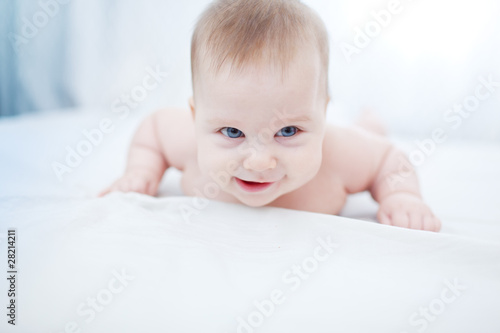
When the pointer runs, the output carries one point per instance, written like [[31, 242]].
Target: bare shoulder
[[175, 129], [354, 155]]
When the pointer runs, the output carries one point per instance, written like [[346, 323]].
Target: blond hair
[[237, 33]]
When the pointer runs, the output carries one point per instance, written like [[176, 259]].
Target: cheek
[[213, 158], [208, 156], [304, 161]]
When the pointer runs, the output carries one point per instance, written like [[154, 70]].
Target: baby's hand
[[141, 181], [408, 211]]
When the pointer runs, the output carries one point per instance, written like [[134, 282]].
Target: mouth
[[249, 186]]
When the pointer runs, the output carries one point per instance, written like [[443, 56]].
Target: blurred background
[[412, 62]]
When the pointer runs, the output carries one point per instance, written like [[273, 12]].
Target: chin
[[256, 202]]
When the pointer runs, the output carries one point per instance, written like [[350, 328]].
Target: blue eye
[[231, 132], [287, 131]]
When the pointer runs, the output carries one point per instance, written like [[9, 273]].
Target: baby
[[257, 125]]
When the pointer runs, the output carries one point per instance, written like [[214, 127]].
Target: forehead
[[258, 87]]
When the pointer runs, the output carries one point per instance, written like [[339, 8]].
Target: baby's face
[[258, 136]]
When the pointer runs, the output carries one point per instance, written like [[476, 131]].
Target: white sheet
[[202, 275]]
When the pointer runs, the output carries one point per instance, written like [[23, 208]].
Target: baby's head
[[260, 91]]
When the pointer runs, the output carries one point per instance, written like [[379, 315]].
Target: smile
[[252, 186]]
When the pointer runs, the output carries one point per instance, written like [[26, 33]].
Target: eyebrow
[[298, 118], [301, 118], [223, 120]]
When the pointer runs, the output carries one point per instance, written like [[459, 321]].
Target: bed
[[133, 263]]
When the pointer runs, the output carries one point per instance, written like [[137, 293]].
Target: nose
[[260, 161]]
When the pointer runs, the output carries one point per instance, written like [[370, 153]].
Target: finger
[[140, 185], [416, 221], [153, 188], [428, 222], [143, 186], [135, 185], [437, 224], [383, 218], [103, 193], [401, 219], [126, 185]]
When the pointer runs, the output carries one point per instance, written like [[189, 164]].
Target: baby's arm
[[146, 162], [370, 162], [396, 189]]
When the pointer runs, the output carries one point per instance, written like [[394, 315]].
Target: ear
[[191, 106]]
